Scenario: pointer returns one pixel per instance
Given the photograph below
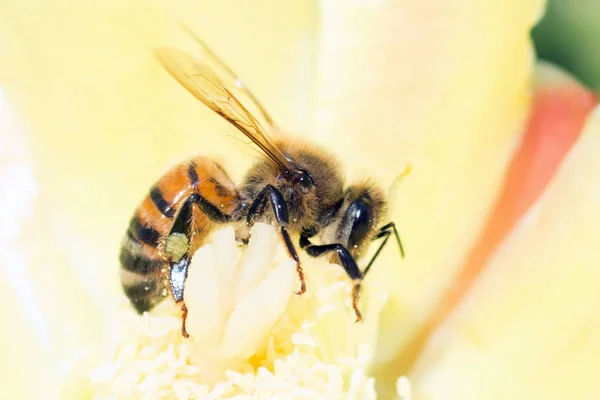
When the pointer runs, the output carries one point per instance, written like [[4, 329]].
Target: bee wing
[[226, 73], [197, 76]]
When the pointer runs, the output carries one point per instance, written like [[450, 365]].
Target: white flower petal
[[226, 257], [273, 344], [257, 312], [257, 258], [203, 299]]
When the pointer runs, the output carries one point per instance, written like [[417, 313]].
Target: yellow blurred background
[[89, 120], [95, 121]]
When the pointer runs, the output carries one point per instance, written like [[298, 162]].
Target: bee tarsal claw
[[184, 313]]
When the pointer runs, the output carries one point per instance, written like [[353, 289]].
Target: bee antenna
[[395, 186]]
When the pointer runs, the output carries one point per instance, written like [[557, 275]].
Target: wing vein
[[198, 78]]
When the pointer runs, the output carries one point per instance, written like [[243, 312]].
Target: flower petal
[[103, 120], [528, 328], [274, 345], [256, 313], [560, 108], [256, 259], [443, 86]]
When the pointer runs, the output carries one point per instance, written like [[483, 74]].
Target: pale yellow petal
[[273, 344], [265, 303], [442, 86], [100, 121], [256, 259], [529, 329]]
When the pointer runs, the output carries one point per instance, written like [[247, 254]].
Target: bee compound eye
[[306, 181], [284, 175]]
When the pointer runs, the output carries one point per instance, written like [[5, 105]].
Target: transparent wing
[[201, 80], [226, 73]]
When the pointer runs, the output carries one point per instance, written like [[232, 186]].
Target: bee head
[[312, 184]]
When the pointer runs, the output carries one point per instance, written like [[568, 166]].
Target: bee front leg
[[385, 232], [347, 262], [281, 215]]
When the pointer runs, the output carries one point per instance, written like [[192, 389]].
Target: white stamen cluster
[[251, 336]]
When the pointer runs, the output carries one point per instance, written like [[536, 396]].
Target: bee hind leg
[[347, 262], [177, 250], [178, 246], [177, 276]]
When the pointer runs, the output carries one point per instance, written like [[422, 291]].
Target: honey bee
[[295, 186]]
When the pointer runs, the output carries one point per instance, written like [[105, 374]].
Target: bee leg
[[178, 250], [347, 262], [385, 232], [392, 226], [180, 238], [281, 215], [177, 276]]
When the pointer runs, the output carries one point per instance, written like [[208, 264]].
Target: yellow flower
[[249, 335], [89, 120]]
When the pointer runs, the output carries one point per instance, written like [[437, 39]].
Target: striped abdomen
[[144, 270]]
